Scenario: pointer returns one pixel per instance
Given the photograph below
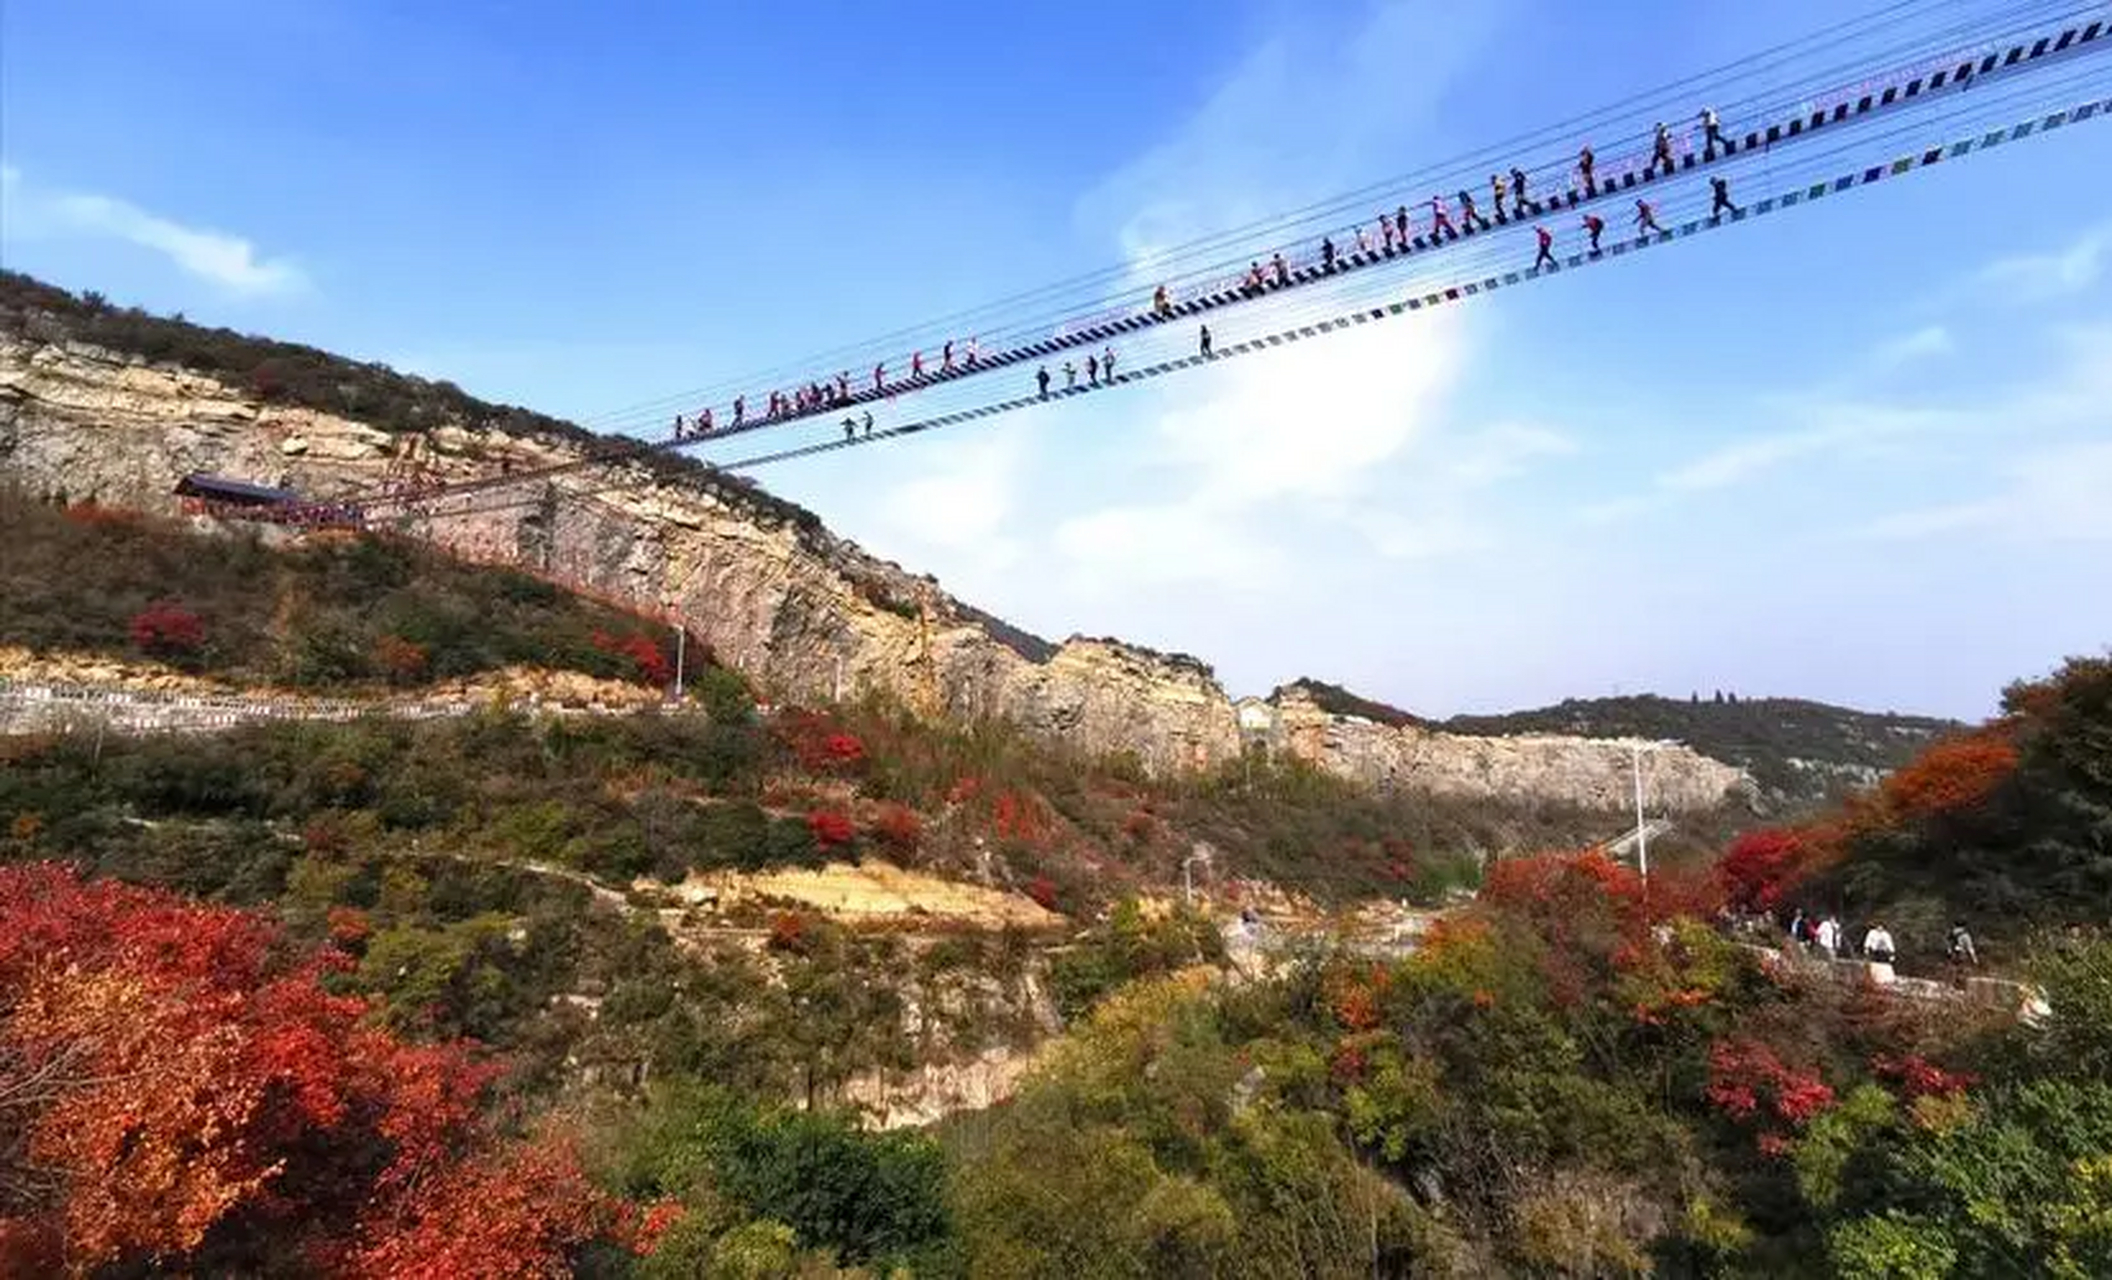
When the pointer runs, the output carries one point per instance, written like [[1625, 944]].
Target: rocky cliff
[[802, 612]]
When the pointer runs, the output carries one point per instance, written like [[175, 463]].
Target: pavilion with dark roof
[[236, 493]]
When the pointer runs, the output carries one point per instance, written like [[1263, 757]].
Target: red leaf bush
[[166, 629], [648, 665], [898, 828], [831, 828]]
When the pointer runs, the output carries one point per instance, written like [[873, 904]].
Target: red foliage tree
[[218, 1103], [1955, 774], [1917, 1077], [1043, 891], [1761, 867], [166, 629], [649, 666], [831, 828], [1021, 816], [1747, 1080], [401, 660], [517, 1212], [818, 742], [898, 828]]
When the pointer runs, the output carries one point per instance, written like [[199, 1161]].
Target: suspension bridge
[[1908, 87]]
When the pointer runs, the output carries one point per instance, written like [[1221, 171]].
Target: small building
[[221, 491]]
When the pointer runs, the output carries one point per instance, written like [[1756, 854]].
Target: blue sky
[[1858, 453]]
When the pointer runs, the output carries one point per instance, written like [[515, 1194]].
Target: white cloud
[[2056, 495], [1156, 546], [1505, 450], [1313, 432], [1922, 344], [228, 261], [1310, 420], [966, 502], [1737, 462], [1299, 117], [1263, 448], [2036, 277]]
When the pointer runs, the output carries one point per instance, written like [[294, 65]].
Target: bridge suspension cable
[[1816, 179]]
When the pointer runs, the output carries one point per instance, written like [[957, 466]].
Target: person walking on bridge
[[1594, 226], [1400, 225], [1469, 216], [1661, 153], [1107, 363], [1070, 376], [1712, 132], [1499, 191], [1283, 272], [850, 429], [1585, 162], [1092, 368], [1041, 380], [1546, 255], [946, 357], [740, 409], [880, 377], [1160, 305], [843, 384], [1205, 341], [1386, 232], [1722, 203], [916, 366], [868, 422], [1327, 255], [1646, 219], [704, 422], [1518, 200], [1439, 223]]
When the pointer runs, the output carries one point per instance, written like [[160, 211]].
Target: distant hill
[[1797, 751]]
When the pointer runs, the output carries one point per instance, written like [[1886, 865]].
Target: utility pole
[[1642, 833]]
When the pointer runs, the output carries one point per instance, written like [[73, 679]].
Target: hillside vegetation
[[1575, 1076], [2006, 827], [331, 613], [1796, 750]]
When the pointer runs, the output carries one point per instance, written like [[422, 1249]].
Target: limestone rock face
[[802, 613], [1595, 773]]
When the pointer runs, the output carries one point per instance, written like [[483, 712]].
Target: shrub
[[647, 665], [898, 828], [166, 629], [788, 932], [830, 828], [401, 661]]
